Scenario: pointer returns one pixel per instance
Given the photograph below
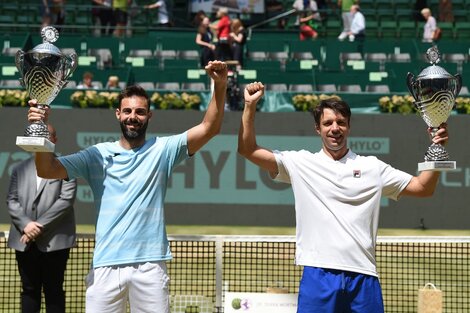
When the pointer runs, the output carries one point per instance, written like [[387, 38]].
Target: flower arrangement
[[405, 105], [183, 101], [13, 98], [94, 99], [397, 104], [307, 102], [462, 105]]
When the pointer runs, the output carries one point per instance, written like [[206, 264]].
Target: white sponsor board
[[246, 302]]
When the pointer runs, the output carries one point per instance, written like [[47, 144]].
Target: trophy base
[[437, 166], [35, 144]]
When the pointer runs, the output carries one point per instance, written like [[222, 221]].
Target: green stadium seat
[[462, 30], [384, 4], [388, 29], [385, 14], [262, 65], [301, 65], [461, 16], [196, 86], [447, 29], [367, 5], [169, 86], [310, 46], [333, 28], [372, 29], [328, 88], [458, 5], [402, 4], [407, 29], [353, 88], [180, 64], [303, 88], [382, 89], [404, 15]]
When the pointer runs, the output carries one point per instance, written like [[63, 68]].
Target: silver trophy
[[434, 91], [44, 71]]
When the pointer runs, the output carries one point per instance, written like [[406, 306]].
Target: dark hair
[[131, 91], [338, 106]]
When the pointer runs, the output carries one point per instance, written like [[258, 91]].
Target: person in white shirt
[[163, 18], [430, 26], [358, 24], [337, 202]]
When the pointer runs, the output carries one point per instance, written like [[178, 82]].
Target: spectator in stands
[[129, 179], [429, 33], [113, 83], [52, 12], [42, 232], [163, 18], [238, 40], [204, 39], [102, 10], [307, 19], [198, 17], [120, 8], [358, 24], [446, 13], [223, 50], [337, 203], [87, 82], [345, 6]]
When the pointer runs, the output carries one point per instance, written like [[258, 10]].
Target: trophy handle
[[73, 65], [459, 84], [409, 83]]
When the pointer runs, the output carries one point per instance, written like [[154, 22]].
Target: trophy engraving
[[434, 91], [44, 71]]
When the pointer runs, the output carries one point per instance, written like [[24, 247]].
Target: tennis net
[[204, 268]]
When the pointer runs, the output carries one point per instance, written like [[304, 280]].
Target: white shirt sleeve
[[282, 173], [358, 23]]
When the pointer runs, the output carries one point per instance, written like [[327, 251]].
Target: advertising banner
[[218, 186]]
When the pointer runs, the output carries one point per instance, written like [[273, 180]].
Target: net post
[[219, 248]]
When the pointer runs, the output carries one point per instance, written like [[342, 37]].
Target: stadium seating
[[152, 56]]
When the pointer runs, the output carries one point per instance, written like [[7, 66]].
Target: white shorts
[[144, 285]]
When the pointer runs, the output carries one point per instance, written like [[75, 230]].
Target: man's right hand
[[36, 114]]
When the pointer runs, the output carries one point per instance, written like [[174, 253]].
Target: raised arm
[[425, 183], [210, 126], [47, 164], [247, 145]]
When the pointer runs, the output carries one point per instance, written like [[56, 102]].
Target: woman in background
[[204, 39], [238, 39]]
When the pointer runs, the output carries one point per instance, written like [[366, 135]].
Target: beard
[[133, 134]]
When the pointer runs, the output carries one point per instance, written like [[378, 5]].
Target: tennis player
[[337, 199], [129, 179]]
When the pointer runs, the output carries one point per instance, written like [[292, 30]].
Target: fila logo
[[357, 173]]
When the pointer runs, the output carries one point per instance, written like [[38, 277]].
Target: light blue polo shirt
[[129, 188]]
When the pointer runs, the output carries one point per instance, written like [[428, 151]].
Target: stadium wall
[[217, 187]]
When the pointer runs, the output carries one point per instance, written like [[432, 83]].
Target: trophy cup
[[434, 91], [44, 71]]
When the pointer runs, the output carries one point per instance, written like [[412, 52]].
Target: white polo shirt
[[337, 206]]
